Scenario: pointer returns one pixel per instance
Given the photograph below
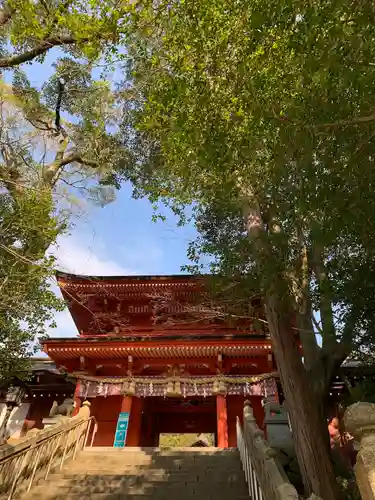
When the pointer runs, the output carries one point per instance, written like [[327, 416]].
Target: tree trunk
[[304, 410]]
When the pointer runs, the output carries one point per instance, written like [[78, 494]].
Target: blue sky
[[117, 239]]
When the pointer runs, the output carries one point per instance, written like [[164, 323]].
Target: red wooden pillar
[[222, 421], [77, 398], [134, 431], [126, 406]]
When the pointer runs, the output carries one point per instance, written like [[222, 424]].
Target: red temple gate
[[149, 366]]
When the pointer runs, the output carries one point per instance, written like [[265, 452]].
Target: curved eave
[[80, 279], [182, 350]]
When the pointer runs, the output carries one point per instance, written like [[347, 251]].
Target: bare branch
[[42, 48], [61, 88]]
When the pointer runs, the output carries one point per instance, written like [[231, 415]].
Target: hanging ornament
[[184, 390], [219, 387], [177, 388], [100, 388], [204, 392], [215, 388], [247, 388], [105, 390], [151, 389], [131, 388], [170, 388], [195, 388], [165, 392], [87, 389]]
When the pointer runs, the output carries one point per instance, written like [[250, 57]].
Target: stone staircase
[[141, 474]]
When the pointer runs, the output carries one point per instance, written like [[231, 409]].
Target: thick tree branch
[[42, 48], [325, 293], [340, 123], [316, 324], [61, 161], [353, 121], [9, 172], [304, 314], [348, 330], [76, 157], [322, 371]]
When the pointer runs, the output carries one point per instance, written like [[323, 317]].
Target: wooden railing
[[32, 459]]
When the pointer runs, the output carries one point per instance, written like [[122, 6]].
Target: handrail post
[[94, 431], [77, 441], [88, 427], [52, 455], [65, 449], [38, 453], [18, 474]]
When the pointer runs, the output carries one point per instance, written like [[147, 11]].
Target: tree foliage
[[235, 110], [261, 114], [27, 303], [58, 142], [29, 30]]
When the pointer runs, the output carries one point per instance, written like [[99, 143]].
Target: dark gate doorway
[[177, 416]]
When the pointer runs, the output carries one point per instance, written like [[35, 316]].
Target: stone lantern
[[359, 421], [13, 398]]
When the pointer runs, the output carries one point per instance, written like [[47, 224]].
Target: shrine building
[[152, 358]]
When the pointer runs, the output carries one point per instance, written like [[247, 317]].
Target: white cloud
[[83, 253], [85, 256], [79, 256]]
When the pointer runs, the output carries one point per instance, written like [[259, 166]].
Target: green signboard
[[121, 430]]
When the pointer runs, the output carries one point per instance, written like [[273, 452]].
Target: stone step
[[108, 467], [113, 460], [56, 491], [133, 459], [154, 476], [115, 496], [125, 486], [141, 474], [111, 482], [141, 489], [233, 478], [125, 453], [164, 451], [116, 467]]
